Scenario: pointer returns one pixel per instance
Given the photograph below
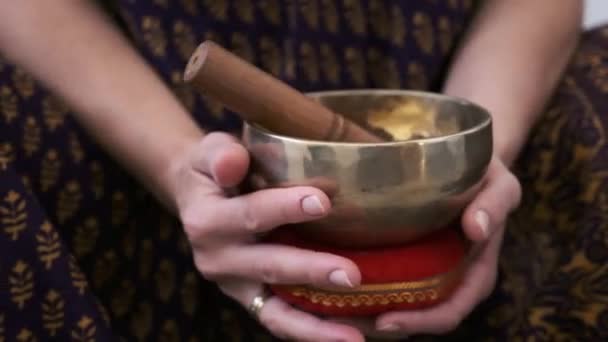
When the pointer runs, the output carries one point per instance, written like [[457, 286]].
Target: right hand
[[222, 231]]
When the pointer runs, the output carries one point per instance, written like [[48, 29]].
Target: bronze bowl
[[386, 193]]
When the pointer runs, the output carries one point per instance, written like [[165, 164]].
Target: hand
[[222, 230], [483, 222]]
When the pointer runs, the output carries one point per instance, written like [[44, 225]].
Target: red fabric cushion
[[413, 276]]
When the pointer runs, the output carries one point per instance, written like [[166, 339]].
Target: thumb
[[489, 210], [221, 157]]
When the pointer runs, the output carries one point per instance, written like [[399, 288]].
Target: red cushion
[[413, 276]]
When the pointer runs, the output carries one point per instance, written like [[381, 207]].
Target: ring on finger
[[257, 303]]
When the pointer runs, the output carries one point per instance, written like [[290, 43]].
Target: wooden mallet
[[258, 97]]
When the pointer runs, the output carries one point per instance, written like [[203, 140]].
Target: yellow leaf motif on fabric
[[141, 321], [184, 39], [49, 171], [76, 148], [190, 293], [270, 55], [169, 332], [309, 61], [68, 201], [245, 10], [416, 78], [53, 308], [54, 112], [217, 8], [21, 280], [330, 15], [376, 65], [310, 12], [162, 3], [445, 34], [184, 93], [7, 155], [122, 299], [49, 247], [24, 83], [154, 36], [270, 10], [85, 237], [355, 17], [165, 280], [190, 6], [78, 279], [8, 104], [97, 179], [105, 269], [85, 330], [146, 257], [241, 46], [104, 313], [120, 208], [13, 214], [31, 136], [423, 32], [329, 63], [355, 65], [290, 59], [27, 183], [379, 19], [26, 335], [399, 30]]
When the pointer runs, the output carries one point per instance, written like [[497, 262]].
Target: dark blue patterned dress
[[88, 255]]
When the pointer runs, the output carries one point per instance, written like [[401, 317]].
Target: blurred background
[[596, 12]]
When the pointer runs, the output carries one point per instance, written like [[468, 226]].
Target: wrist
[[175, 163]]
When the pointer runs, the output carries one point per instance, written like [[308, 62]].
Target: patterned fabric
[[87, 255]]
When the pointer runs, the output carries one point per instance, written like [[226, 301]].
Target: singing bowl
[[419, 180]]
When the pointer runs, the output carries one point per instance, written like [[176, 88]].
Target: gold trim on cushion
[[420, 291]]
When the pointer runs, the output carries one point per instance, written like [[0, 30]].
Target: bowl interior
[[399, 115]]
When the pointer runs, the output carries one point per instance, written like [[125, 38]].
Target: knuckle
[[209, 269], [266, 271], [196, 227], [250, 220]]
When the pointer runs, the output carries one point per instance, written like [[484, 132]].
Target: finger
[[293, 324], [286, 322], [222, 158], [278, 264], [477, 284], [492, 205], [214, 216], [367, 327]]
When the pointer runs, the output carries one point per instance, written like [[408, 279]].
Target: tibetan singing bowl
[[419, 180]]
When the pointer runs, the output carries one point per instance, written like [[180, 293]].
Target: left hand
[[483, 222]]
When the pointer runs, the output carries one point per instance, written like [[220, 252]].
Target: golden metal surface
[[382, 193]]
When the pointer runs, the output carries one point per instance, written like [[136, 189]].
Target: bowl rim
[[476, 128]]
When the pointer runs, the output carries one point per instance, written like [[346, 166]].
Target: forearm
[[511, 61], [71, 48]]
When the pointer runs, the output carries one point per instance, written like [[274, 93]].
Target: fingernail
[[483, 220], [390, 327], [340, 278], [312, 206]]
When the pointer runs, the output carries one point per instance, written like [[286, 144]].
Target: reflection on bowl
[[419, 180]]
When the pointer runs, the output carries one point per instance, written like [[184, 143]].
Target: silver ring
[[256, 305]]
